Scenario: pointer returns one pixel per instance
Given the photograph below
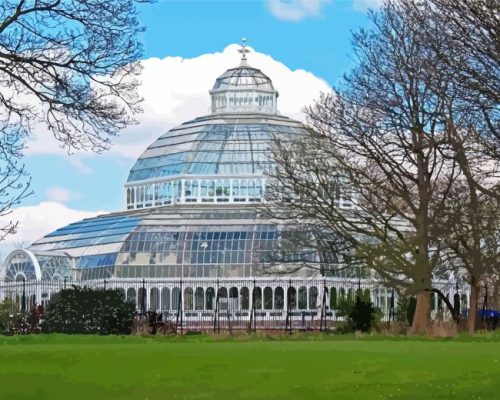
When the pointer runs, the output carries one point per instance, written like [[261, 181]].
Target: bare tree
[[71, 67], [462, 34], [14, 182], [378, 142], [468, 54], [471, 230], [411, 142]]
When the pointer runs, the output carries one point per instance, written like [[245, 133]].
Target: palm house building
[[190, 239]]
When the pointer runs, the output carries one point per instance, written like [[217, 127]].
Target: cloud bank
[[175, 89]]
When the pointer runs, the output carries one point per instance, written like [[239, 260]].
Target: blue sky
[[319, 43], [310, 35]]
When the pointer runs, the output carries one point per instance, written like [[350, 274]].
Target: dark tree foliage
[[362, 315], [85, 310], [70, 66]]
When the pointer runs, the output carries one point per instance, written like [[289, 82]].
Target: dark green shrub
[[363, 315], [85, 310]]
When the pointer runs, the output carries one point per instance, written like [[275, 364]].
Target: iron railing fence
[[231, 304]]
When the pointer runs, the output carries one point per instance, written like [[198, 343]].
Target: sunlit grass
[[261, 367]]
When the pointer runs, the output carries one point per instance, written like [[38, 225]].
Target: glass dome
[[218, 158], [212, 145]]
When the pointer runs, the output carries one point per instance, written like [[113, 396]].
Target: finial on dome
[[243, 52]]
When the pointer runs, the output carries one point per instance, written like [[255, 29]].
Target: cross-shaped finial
[[244, 51]]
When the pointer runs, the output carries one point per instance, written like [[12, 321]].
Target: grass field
[[94, 368]]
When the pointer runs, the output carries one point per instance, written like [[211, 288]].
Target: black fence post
[[143, 298], [23, 298], [180, 307], [456, 304], [485, 302], [323, 307], [216, 311], [288, 322], [391, 307], [253, 308]]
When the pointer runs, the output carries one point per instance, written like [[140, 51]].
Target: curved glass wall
[[176, 242]]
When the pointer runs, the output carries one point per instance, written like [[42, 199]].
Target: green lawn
[[93, 368]]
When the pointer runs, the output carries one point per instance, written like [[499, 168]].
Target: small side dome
[[243, 78], [244, 89]]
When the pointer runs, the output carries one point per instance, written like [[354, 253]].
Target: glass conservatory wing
[[21, 265]]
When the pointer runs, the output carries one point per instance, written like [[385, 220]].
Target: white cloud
[[175, 89], [365, 5], [37, 221], [295, 10], [61, 195]]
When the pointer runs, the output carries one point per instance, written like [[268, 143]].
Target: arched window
[[209, 300], [154, 299], [302, 298], [279, 298], [222, 297], [233, 293], [176, 301], [257, 298], [188, 299], [333, 298], [233, 298], [292, 298], [268, 298], [165, 299], [141, 299], [198, 299], [313, 297], [245, 298], [131, 295], [222, 292]]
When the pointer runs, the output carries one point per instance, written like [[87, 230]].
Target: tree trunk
[[422, 313], [474, 299]]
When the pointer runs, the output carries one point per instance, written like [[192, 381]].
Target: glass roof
[[213, 145], [89, 232]]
